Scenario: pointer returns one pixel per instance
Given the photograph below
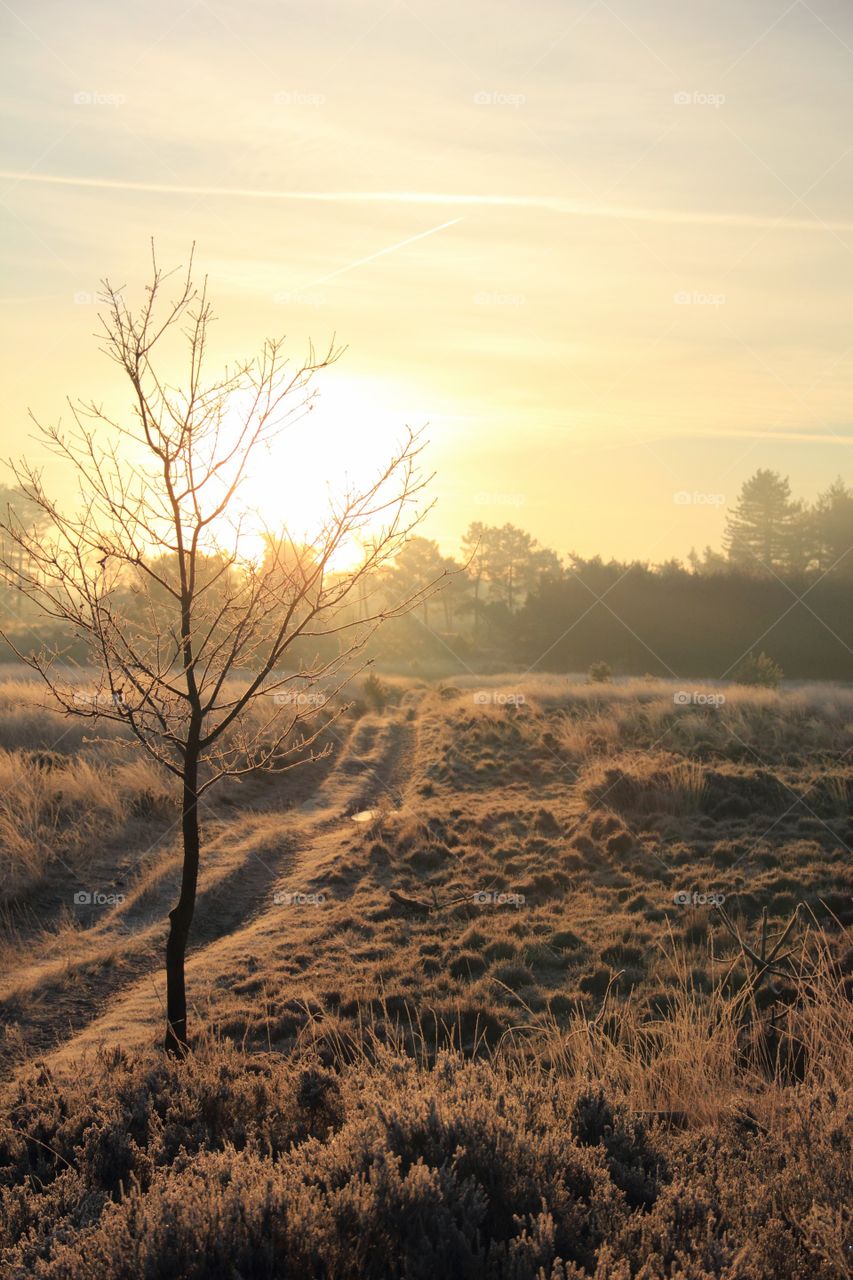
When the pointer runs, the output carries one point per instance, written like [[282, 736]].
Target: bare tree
[[194, 642]]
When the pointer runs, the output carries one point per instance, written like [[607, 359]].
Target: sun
[[342, 442]]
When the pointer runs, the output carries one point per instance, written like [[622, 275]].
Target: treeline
[[675, 622], [781, 584]]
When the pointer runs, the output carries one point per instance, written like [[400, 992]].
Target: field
[[481, 994]]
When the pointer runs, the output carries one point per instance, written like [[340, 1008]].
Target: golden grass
[[60, 812], [708, 1057]]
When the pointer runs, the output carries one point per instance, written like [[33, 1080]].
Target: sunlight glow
[[341, 443]]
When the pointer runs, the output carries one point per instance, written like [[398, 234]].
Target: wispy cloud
[[548, 204], [802, 437]]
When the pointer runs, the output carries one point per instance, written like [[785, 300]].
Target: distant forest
[[781, 584]]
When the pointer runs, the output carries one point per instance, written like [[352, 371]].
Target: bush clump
[[600, 673], [375, 692], [761, 671]]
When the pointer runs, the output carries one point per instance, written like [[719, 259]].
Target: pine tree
[[833, 525], [759, 530]]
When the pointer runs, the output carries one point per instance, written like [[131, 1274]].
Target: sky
[[602, 250]]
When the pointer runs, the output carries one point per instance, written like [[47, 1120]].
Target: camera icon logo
[[82, 898], [695, 899]]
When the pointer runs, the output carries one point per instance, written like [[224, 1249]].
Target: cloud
[[545, 204]]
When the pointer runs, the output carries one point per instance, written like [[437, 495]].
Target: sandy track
[[112, 990]]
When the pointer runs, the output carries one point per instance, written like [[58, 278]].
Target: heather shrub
[[501, 1169], [635, 1165]]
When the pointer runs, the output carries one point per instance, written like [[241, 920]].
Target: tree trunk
[[180, 918]]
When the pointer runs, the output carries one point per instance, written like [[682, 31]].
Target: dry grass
[[572, 1081], [31, 721], [645, 783], [67, 785], [750, 722], [60, 810], [715, 1053]]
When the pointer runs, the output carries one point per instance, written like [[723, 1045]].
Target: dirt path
[[111, 988]]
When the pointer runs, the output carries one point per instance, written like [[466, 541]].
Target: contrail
[[548, 204], [804, 437], [359, 262]]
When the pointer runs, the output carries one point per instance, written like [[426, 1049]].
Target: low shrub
[[599, 673], [760, 671]]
